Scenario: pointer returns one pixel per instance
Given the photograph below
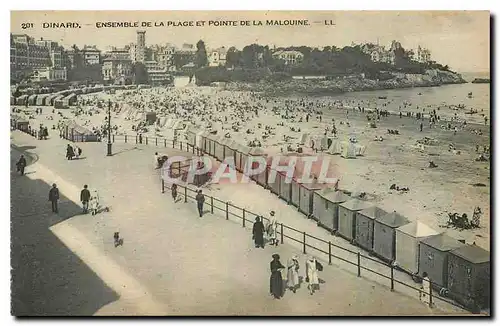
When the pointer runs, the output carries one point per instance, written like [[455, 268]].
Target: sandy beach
[[274, 123]]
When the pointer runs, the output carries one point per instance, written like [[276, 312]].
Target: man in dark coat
[[69, 152], [174, 192], [54, 197], [276, 281], [258, 233], [200, 199], [21, 164], [84, 198]]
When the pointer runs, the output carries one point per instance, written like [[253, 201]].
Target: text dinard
[[203, 23]]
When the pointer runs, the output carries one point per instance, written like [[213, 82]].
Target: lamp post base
[[109, 149]]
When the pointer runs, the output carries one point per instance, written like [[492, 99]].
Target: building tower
[[141, 46]]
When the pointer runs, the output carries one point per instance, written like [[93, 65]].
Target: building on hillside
[[289, 57], [164, 55], [114, 69], [50, 74], [159, 77], [140, 51], [117, 53], [217, 57], [377, 52], [91, 55], [26, 54], [423, 55]]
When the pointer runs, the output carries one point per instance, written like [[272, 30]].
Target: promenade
[[171, 262]]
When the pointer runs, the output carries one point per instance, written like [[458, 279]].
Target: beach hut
[[326, 207], [262, 176], [179, 124], [219, 148], [306, 195], [433, 258], [199, 138], [469, 276], [32, 99], [241, 156], [408, 239], [22, 100], [40, 98], [305, 139], [150, 117], [360, 149], [229, 146], [19, 123], [335, 147], [365, 225], [209, 143], [347, 217], [76, 133], [384, 235], [69, 100], [348, 150], [170, 123]]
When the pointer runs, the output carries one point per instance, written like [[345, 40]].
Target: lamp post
[[109, 128]]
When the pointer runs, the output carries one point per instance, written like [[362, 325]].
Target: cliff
[[352, 83]]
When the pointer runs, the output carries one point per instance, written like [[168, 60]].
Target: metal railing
[[306, 241]]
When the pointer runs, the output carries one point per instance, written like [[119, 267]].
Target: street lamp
[[109, 128]]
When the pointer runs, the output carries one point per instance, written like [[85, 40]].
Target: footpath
[[171, 262]]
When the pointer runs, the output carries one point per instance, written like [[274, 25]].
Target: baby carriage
[[95, 205]]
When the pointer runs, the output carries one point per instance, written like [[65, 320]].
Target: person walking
[[21, 164], [272, 229], [174, 192], [69, 152], [94, 202], [276, 280], [54, 197], [293, 273], [84, 198], [312, 267], [258, 233], [200, 199]]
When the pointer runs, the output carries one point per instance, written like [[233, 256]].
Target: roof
[[417, 229], [256, 151], [333, 196], [442, 242], [393, 220], [473, 254], [373, 212], [355, 204]]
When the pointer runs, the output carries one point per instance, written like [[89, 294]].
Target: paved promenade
[[172, 262]]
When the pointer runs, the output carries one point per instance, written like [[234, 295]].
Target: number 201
[[27, 25]]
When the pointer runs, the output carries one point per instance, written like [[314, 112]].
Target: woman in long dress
[[272, 229], [276, 280], [293, 273], [94, 202], [258, 233], [312, 275]]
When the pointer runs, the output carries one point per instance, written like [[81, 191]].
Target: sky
[[460, 39]]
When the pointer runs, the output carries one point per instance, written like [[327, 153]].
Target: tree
[[201, 54], [140, 73], [233, 57]]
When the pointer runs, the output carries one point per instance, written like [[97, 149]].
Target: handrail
[[184, 145]]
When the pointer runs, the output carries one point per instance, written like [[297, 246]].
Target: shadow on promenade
[[47, 278]]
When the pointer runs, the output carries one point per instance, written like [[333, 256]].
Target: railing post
[[185, 194], [173, 143], [136, 139], [227, 211], [146, 140], [156, 141], [329, 252], [282, 235], [430, 294], [359, 264], [181, 146], [125, 138], [165, 142], [162, 186], [392, 277], [113, 138], [304, 242], [212, 205], [193, 149]]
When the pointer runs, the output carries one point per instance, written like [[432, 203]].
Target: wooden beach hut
[[219, 148], [32, 99], [433, 257], [241, 156], [408, 239], [384, 235], [76, 133], [365, 220], [22, 100], [347, 217], [254, 155], [469, 276], [229, 148], [326, 207]]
